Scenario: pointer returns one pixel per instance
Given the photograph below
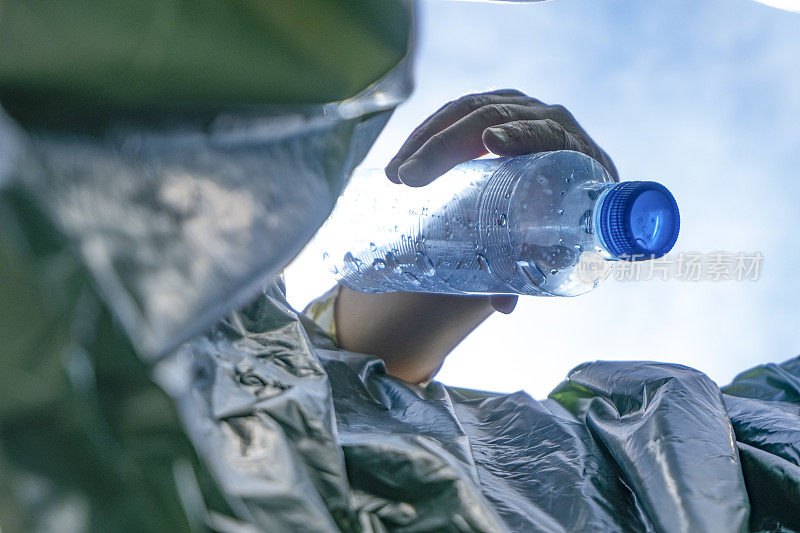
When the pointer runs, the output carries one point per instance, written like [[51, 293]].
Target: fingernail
[[499, 134], [412, 172], [391, 173]]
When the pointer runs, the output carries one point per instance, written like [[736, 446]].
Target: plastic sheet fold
[[618, 446], [184, 179], [123, 237], [159, 162]]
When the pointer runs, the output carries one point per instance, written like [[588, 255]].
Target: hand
[[414, 332], [505, 122]]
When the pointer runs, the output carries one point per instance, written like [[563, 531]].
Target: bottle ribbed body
[[520, 225]]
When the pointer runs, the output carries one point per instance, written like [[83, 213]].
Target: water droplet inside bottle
[[425, 264], [411, 277], [532, 272], [560, 241], [554, 271], [350, 258], [372, 246], [502, 220], [379, 264], [560, 211], [482, 262], [325, 256]]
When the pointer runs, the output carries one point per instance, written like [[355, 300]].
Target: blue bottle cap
[[639, 220]]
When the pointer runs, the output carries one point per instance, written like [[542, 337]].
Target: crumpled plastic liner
[[177, 221], [303, 436], [181, 218], [173, 219], [176, 227]]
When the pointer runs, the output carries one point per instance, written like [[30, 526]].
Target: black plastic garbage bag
[[159, 162], [764, 409], [186, 150], [276, 429], [303, 436]]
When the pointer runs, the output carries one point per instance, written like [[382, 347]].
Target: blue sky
[[702, 96]]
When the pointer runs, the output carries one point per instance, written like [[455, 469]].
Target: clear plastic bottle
[[547, 224]]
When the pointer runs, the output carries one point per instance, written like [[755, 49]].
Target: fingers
[[608, 163], [503, 303], [528, 136], [506, 122], [461, 141], [446, 116]]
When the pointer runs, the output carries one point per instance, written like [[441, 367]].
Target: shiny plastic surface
[[144, 193], [516, 225], [182, 217], [277, 409]]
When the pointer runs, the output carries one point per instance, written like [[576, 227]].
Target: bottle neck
[[595, 223]]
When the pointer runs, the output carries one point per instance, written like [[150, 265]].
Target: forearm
[[411, 332]]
